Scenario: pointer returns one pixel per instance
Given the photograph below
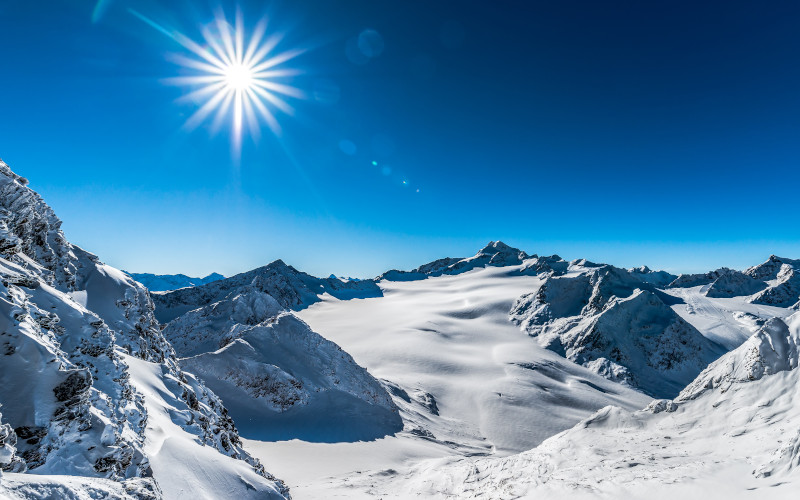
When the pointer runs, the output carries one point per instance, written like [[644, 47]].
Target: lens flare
[[234, 77]]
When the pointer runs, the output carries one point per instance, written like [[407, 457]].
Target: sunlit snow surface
[[498, 394]]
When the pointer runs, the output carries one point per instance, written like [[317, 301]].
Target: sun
[[234, 77], [238, 77]]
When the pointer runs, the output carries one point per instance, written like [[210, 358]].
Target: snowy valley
[[501, 375]]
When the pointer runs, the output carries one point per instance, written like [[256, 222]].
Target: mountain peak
[[497, 246]]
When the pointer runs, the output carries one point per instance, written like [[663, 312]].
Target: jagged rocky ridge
[[68, 325], [774, 348]]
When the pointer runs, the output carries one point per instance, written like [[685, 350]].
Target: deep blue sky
[[659, 133]]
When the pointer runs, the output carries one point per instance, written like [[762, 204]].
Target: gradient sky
[[658, 133]]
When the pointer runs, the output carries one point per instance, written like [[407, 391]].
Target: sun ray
[[188, 62], [278, 59], [201, 114], [203, 92], [279, 88], [255, 41], [274, 100]]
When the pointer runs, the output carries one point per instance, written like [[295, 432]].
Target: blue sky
[[634, 133]]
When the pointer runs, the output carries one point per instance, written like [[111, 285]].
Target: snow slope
[[733, 433], [165, 282]]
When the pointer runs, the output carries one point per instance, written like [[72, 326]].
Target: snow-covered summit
[[783, 290], [732, 283]]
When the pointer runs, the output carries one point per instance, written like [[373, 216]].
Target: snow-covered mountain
[[90, 386], [166, 282], [501, 375], [610, 321], [783, 279], [292, 289], [280, 379]]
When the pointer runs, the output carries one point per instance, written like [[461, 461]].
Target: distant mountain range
[[164, 282]]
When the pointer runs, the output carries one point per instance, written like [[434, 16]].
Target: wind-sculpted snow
[[166, 282], [291, 288], [70, 326], [606, 319], [280, 379]]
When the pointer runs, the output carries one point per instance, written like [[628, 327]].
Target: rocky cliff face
[[68, 324]]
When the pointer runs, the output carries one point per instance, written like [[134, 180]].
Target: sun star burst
[[234, 77]]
